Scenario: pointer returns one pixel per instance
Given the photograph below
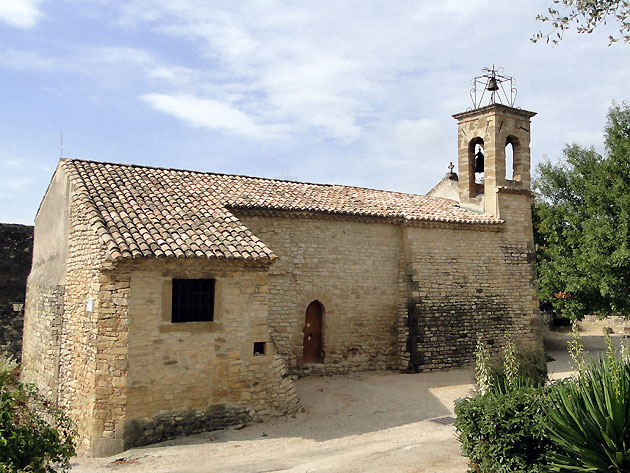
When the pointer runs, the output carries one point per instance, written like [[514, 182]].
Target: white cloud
[[211, 114], [585, 138], [174, 75], [120, 55], [358, 92], [24, 60], [423, 134], [320, 67], [348, 73], [20, 13]]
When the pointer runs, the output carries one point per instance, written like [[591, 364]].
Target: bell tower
[[487, 136]]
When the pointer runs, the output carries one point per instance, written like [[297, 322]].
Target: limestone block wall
[[78, 369], [411, 297], [468, 280], [108, 382], [42, 334], [351, 268], [45, 292], [62, 331], [189, 377]]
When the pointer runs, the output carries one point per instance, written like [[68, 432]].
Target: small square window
[[259, 348], [193, 300]]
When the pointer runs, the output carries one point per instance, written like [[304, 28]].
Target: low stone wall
[[11, 324], [170, 425], [611, 324], [16, 253]]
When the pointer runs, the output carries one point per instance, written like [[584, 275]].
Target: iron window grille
[[193, 300]]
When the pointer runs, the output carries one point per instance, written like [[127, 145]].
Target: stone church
[[163, 302]]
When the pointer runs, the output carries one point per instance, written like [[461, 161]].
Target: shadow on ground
[[363, 423], [355, 404]]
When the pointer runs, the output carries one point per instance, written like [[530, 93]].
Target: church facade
[[163, 302]]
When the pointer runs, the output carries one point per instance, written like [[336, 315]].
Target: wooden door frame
[[323, 331]]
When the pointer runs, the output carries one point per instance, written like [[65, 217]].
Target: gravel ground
[[367, 422]]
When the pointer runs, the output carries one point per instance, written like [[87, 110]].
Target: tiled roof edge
[[399, 219], [97, 222]]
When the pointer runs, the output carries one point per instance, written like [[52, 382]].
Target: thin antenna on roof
[[61, 146]]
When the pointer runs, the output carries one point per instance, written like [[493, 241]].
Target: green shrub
[[502, 429], [581, 424], [511, 369], [590, 420], [34, 435], [531, 370], [504, 432]]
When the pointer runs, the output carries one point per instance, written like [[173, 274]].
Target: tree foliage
[[586, 15], [582, 226]]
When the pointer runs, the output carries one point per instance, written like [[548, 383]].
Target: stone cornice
[[495, 226]]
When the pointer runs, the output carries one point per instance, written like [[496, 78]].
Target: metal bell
[[492, 85], [479, 161]]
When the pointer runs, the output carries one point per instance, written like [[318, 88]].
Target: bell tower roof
[[496, 107]]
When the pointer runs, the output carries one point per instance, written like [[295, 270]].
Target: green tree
[[586, 15], [582, 225]]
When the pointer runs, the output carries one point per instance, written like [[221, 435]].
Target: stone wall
[[611, 324], [466, 283], [43, 310], [189, 377], [411, 297], [351, 268], [16, 253], [42, 336], [61, 345]]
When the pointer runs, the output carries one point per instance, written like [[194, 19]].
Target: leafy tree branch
[[586, 16]]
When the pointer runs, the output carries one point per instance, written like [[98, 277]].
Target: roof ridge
[[211, 173]]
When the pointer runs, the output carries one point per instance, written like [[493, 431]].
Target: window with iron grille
[[193, 300]]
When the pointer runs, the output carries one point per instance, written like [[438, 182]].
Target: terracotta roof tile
[[155, 212]]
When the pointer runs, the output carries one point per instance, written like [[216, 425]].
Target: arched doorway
[[313, 322]]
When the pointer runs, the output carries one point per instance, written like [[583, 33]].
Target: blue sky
[[350, 92]]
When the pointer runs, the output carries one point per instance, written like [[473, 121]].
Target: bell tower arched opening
[[509, 161], [520, 159], [476, 166]]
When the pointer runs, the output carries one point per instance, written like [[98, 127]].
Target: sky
[[346, 92]]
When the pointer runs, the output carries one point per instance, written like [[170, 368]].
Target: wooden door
[[313, 333]]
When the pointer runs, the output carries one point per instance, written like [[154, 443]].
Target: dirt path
[[368, 422]]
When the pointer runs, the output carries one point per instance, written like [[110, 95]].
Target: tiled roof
[[147, 212]]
